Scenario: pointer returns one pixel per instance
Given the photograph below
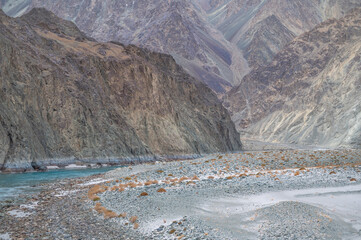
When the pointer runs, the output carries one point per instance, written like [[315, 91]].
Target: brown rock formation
[[65, 98]]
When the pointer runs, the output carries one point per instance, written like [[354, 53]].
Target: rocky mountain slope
[[66, 98], [310, 93], [261, 28], [173, 27], [216, 41]]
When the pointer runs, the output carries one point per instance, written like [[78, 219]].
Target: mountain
[[261, 28], [216, 41], [66, 97], [310, 92], [172, 27]]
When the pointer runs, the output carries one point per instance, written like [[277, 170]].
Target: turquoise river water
[[15, 184]]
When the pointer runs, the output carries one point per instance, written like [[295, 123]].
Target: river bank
[[72, 162], [289, 194]]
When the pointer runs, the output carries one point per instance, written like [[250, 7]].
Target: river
[[15, 184]]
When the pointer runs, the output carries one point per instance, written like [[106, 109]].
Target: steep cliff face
[[310, 93], [66, 97]]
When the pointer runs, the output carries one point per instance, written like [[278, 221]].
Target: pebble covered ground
[[193, 199]]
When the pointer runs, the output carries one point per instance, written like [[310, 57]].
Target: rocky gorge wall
[[66, 97]]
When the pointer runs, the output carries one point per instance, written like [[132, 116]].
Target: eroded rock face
[[261, 28], [173, 27], [310, 93], [66, 97], [216, 41]]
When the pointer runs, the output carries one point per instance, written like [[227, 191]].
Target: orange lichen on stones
[[122, 215], [297, 173], [353, 180], [210, 177]]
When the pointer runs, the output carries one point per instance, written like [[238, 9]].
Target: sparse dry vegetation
[[133, 219], [136, 226], [161, 190], [95, 190], [143, 194]]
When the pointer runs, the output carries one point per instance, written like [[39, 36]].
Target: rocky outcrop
[[67, 98], [310, 93]]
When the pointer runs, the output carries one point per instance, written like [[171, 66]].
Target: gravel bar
[[287, 194]]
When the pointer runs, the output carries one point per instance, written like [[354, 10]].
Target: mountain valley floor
[[275, 194]]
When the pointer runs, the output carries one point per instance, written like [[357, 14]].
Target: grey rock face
[[310, 93], [173, 27], [216, 41], [65, 97], [262, 28]]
